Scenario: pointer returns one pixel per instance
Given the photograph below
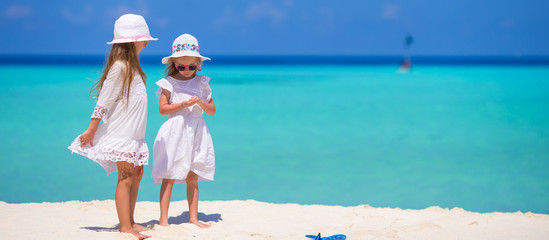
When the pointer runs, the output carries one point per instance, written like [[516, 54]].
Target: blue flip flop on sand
[[333, 237]]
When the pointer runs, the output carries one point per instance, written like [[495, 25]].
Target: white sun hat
[[185, 45], [131, 28]]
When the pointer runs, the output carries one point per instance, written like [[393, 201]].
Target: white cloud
[[162, 22], [261, 11], [288, 3], [228, 18], [82, 16], [265, 10], [118, 10], [141, 8], [391, 11], [17, 12]]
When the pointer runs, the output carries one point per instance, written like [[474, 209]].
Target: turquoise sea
[[474, 136]]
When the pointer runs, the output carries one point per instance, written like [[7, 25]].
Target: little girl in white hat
[[118, 144], [183, 150]]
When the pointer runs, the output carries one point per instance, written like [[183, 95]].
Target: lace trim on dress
[[138, 159], [109, 154], [99, 112]]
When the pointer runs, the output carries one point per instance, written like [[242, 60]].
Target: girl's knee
[[139, 170], [125, 171], [138, 173], [192, 178], [125, 176], [168, 181]]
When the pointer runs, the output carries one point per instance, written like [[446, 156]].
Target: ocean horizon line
[[468, 60]]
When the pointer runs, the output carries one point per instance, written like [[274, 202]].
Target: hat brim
[[127, 40], [184, 54]]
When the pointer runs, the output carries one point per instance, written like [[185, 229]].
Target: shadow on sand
[[183, 218]]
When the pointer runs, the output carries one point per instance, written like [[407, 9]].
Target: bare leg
[[123, 198], [136, 179], [165, 196], [192, 199]]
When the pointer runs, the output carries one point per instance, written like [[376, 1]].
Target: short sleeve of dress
[[206, 89], [110, 91], [163, 84]]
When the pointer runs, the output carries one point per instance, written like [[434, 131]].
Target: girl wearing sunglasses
[[183, 150]]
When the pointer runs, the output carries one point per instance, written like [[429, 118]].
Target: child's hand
[[87, 138], [193, 100]]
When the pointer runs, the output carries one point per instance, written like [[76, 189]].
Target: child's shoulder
[[165, 79], [117, 67], [119, 64], [165, 83]]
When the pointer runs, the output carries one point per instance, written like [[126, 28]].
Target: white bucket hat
[[185, 45], [131, 28]]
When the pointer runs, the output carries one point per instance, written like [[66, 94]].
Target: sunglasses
[[182, 68]]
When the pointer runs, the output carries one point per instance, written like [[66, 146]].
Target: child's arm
[[164, 107], [208, 107], [107, 96], [87, 137]]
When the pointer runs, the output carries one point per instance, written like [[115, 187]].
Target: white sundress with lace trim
[[184, 143], [121, 136]]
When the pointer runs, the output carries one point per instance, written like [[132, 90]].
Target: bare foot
[[136, 234], [199, 224], [163, 222], [139, 228]]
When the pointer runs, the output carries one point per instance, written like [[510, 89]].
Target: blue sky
[[284, 27]]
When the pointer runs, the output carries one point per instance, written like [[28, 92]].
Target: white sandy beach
[[258, 220]]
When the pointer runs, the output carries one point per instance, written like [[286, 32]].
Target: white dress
[[184, 143], [121, 136]]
